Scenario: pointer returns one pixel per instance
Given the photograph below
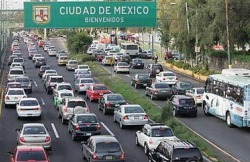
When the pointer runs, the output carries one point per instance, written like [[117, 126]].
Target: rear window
[[22, 80], [162, 132], [186, 153], [86, 119], [187, 101], [73, 62], [66, 94], [108, 147], [138, 61], [185, 85], [114, 97], [15, 92], [63, 58], [159, 85], [18, 60], [123, 64], [76, 103], [31, 156], [87, 81], [200, 91], [157, 67], [134, 110], [14, 85], [57, 80], [29, 103], [168, 74], [61, 87], [100, 88], [34, 130]]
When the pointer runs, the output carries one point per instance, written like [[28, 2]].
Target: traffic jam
[[74, 101]]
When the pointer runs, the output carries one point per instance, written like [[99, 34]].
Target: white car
[[16, 65], [15, 72], [130, 115], [152, 134], [111, 52], [82, 84], [122, 67], [107, 60], [13, 96], [166, 77], [197, 94], [18, 60], [34, 134], [82, 67], [62, 86], [117, 55], [71, 65], [36, 56], [82, 73], [91, 50], [28, 107], [57, 97], [48, 72], [52, 52]]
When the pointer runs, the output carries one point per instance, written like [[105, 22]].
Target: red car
[[41, 43], [96, 91], [28, 153]]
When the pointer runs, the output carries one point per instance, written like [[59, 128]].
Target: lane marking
[[112, 134], [54, 129], [42, 100], [35, 83]]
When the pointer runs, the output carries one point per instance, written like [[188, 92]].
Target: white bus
[[236, 72], [228, 97], [130, 49]]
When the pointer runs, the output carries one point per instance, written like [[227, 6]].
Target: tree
[[78, 42]]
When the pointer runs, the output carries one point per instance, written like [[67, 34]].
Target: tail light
[[77, 127], [125, 117], [47, 139], [122, 156], [94, 156], [108, 104], [150, 141], [38, 108], [24, 96], [98, 127], [65, 109], [198, 97], [145, 117], [176, 78], [163, 78], [81, 85], [7, 97], [22, 139]]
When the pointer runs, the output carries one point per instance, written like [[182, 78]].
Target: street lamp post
[[228, 38]]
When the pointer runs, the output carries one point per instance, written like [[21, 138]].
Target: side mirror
[[9, 153], [18, 129]]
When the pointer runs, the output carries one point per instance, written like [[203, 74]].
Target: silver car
[[71, 65], [130, 115], [34, 134], [82, 84]]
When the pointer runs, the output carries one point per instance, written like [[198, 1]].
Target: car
[[104, 147], [59, 95], [181, 87], [154, 69], [109, 102], [68, 105], [26, 83], [28, 107], [99, 55], [12, 85], [86, 67], [145, 54], [19, 60], [121, 67], [82, 84], [61, 53], [166, 77], [71, 65], [42, 69], [48, 72], [91, 50], [141, 80], [137, 63], [29, 153], [130, 114], [51, 83], [159, 91], [117, 55], [62, 86], [32, 52], [15, 72], [175, 150], [34, 134], [197, 94], [112, 52], [10, 59], [82, 73], [46, 47], [108, 60], [36, 56], [152, 134], [40, 61], [16, 65], [83, 125], [13, 95], [62, 60], [41, 43], [124, 58], [96, 91], [182, 105]]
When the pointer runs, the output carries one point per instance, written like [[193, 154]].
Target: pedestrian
[[156, 58]]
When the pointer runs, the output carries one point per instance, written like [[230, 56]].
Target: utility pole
[[228, 37]]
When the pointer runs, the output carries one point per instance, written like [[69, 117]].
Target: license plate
[[138, 64], [88, 134], [136, 117], [101, 93], [163, 91], [15, 98], [29, 114], [144, 84], [117, 105], [109, 157]]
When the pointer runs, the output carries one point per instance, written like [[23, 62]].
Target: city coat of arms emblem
[[41, 14]]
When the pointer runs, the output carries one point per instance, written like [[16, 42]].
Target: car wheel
[[146, 94], [63, 120], [151, 96], [136, 141], [194, 115], [145, 148], [136, 86], [18, 117], [59, 115], [114, 120], [229, 120], [205, 109], [69, 129], [104, 111], [121, 125]]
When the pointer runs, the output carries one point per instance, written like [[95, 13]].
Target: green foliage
[[220, 54], [88, 58]]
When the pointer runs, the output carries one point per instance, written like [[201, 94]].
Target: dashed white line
[[112, 134], [54, 129], [42, 100], [35, 83]]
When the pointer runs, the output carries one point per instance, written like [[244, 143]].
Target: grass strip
[[163, 115]]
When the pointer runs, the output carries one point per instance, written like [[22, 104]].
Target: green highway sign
[[89, 14]]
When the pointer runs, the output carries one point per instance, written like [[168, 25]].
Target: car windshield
[[86, 119], [61, 87], [161, 85], [29, 103], [100, 88], [107, 147], [31, 156], [14, 85], [114, 97], [22, 80], [18, 60], [16, 72], [83, 67], [57, 80], [138, 61], [134, 109], [123, 64], [157, 67], [182, 154], [16, 92], [37, 55], [76, 103], [200, 91], [50, 72], [66, 94], [83, 72], [34, 130], [63, 58], [73, 62], [40, 59], [162, 132], [87, 81], [168, 74], [186, 85], [187, 101]]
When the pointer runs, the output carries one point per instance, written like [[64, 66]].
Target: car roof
[[65, 91], [103, 138], [15, 89], [74, 98], [130, 105], [86, 114], [64, 83], [33, 124], [156, 125], [56, 76], [28, 99], [29, 148], [183, 97]]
